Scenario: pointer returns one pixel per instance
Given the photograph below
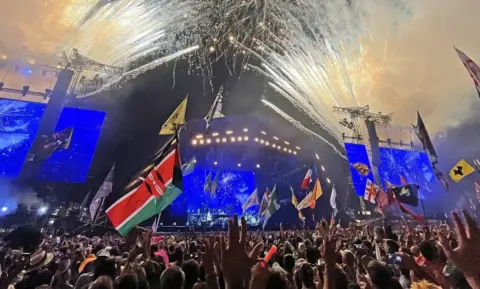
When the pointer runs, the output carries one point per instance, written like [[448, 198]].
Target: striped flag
[[472, 68]]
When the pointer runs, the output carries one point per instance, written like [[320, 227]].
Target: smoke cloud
[[421, 68], [13, 194]]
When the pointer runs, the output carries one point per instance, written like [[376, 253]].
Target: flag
[[477, 190], [383, 201], [189, 167], [333, 201], [295, 203], [371, 191], [307, 179], [422, 134], [104, 190], [213, 187], [472, 69], [251, 201], [407, 194], [264, 203], [175, 120], [460, 171], [441, 178], [403, 181], [48, 144], [84, 202], [215, 110], [316, 193], [476, 162], [208, 183], [416, 217], [273, 206], [305, 203], [158, 190]]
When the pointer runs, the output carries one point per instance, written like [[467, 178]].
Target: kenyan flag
[[159, 189]]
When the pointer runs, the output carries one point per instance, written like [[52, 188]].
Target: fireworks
[[330, 62]]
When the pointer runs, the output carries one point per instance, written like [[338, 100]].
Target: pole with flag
[[333, 201], [251, 201], [105, 189], [472, 68], [295, 203]]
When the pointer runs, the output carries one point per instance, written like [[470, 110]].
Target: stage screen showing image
[[72, 165], [19, 122], [414, 167], [207, 202], [359, 163]]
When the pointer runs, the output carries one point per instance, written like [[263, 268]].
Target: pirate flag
[[407, 194]]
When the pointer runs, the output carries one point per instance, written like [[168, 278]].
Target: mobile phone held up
[[393, 259]]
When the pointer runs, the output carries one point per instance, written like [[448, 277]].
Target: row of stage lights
[[200, 140]]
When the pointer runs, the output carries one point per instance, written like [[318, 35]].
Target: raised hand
[[466, 256], [209, 257], [236, 262]]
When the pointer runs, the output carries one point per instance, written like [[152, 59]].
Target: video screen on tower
[[19, 123], [414, 167]]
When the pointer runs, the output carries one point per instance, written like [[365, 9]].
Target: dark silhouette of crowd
[[380, 257]]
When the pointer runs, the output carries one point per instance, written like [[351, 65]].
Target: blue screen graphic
[[413, 166], [72, 165], [358, 157], [233, 189], [19, 123]]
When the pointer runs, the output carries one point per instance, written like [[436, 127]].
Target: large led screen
[[413, 167], [19, 123], [232, 191], [359, 166]]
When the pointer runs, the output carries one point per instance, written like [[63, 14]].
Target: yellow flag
[[176, 119], [295, 203], [461, 170]]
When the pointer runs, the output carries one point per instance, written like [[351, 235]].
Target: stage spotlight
[[279, 147], [217, 140], [4, 57], [4, 209], [245, 129], [42, 210], [25, 90], [202, 141], [289, 151], [263, 132], [286, 142], [224, 139], [275, 138], [267, 143], [274, 145], [294, 152], [245, 138], [194, 142], [215, 134], [262, 141], [215, 163], [229, 132], [256, 139], [211, 49], [317, 156], [209, 140], [239, 138], [232, 139], [32, 62], [284, 149], [323, 168], [328, 180], [199, 136], [258, 166], [51, 221], [239, 165], [297, 148]]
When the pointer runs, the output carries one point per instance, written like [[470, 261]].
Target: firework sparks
[[325, 64]]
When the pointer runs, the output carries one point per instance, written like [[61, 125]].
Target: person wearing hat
[[87, 268]]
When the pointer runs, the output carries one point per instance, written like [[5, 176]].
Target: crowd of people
[[383, 256]]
